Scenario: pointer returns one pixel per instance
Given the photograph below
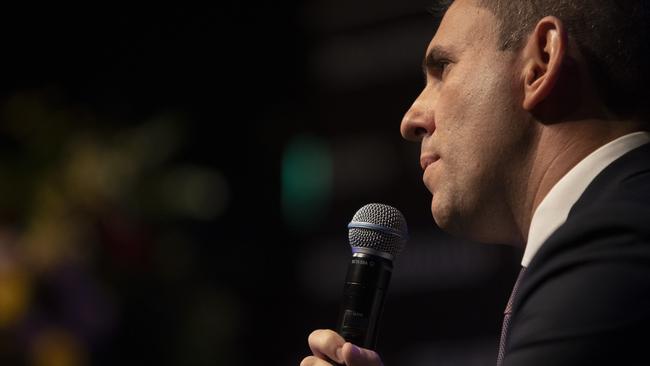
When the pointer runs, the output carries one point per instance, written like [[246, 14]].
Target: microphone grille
[[378, 227]]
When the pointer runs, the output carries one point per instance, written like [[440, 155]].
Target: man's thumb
[[357, 356]]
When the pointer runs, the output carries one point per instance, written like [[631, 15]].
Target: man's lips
[[426, 160]]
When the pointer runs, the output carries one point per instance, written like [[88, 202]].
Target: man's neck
[[558, 148]]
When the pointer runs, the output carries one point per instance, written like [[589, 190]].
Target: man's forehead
[[464, 24]]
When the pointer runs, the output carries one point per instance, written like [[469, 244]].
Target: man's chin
[[450, 221], [442, 217]]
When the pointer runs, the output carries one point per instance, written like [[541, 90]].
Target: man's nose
[[418, 121]]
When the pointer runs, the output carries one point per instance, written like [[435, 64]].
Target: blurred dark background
[[175, 185]]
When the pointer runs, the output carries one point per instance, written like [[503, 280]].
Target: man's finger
[[314, 361], [326, 344], [357, 356]]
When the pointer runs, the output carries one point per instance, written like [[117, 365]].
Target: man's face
[[473, 131]]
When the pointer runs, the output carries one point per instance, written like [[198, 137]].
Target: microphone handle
[[363, 299]]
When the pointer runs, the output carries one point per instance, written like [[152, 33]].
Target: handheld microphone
[[377, 234]]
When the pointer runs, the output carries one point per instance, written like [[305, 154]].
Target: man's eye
[[436, 68], [441, 66]]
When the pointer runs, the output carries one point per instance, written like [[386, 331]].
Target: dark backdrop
[[176, 183]]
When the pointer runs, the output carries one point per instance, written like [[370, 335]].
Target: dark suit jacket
[[585, 297]]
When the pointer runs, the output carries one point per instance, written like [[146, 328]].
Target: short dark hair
[[612, 36]]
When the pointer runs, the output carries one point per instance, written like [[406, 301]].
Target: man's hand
[[327, 347]]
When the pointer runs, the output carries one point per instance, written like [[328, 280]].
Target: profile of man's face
[[470, 123]]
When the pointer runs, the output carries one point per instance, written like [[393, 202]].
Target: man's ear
[[543, 56]]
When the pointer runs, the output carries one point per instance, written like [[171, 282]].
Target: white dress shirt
[[554, 208]]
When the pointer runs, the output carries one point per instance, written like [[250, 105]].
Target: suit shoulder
[[588, 287]]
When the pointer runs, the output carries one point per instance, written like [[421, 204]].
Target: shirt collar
[[554, 208]]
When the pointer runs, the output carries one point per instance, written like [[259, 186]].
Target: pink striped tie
[[506, 318]]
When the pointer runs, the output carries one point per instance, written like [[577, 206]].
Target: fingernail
[[339, 354]]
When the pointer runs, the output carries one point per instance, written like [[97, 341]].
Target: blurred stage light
[[57, 347], [195, 192], [306, 181]]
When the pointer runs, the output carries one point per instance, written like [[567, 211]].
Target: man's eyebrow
[[434, 56]]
